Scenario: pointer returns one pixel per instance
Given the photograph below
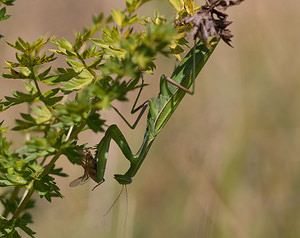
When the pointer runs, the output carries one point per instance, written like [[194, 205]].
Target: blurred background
[[227, 162]]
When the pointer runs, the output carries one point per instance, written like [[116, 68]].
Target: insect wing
[[79, 181]]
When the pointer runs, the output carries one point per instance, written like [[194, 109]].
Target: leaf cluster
[[8, 227], [3, 15], [103, 64]]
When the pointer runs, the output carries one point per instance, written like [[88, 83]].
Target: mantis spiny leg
[[171, 81], [114, 133]]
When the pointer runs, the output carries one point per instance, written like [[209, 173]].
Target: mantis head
[[122, 179]]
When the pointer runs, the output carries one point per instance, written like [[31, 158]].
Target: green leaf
[[42, 114], [58, 172], [118, 16], [22, 224], [2, 129], [64, 74], [49, 99], [95, 63], [92, 52], [65, 44], [20, 97], [95, 123], [188, 5], [30, 87], [26, 45], [35, 155], [2, 12], [65, 47], [27, 117], [42, 75], [47, 188], [78, 82], [48, 96], [73, 152], [17, 46], [8, 2], [4, 182], [25, 71], [15, 179], [23, 125], [77, 66], [133, 5], [177, 4]]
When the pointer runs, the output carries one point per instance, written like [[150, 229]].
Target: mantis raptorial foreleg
[[114, 133]]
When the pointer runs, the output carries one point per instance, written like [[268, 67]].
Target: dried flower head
[[211, 20]]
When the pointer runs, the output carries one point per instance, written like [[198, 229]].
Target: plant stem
[[12, 198], [26, 197], [86, 66], [34, 78]]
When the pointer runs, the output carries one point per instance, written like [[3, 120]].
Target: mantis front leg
[[113, 132]]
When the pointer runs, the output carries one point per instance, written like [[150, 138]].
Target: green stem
[[86, 66], [26, 197], [12, 198], [35, 81], [37, 87]]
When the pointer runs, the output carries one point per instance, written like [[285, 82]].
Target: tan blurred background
[[227, 162]]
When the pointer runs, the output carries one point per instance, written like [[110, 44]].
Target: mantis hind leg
[[171, 81]]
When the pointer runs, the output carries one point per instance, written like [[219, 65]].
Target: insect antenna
[[117, 198], [126, 195]]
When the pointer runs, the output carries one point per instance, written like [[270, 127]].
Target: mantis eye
[[122, 179]]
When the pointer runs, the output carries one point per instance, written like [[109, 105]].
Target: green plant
[[105, 62], [3, 15]]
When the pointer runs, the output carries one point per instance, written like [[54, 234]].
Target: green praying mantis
[[172, 91]]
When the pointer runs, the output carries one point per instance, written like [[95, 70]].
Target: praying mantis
[[172, 91]]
